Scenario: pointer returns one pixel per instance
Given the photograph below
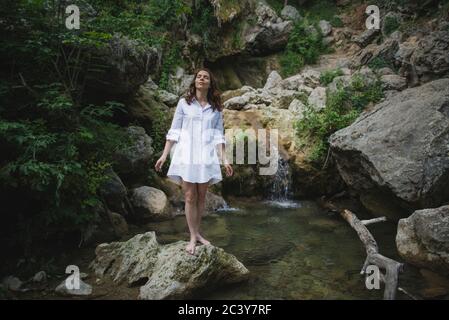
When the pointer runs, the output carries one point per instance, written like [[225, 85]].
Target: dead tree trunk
[[391, 267]]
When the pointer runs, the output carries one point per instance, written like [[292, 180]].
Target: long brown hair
[[213, 94]]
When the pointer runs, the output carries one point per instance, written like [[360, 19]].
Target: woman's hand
[[160, 163], [228, 169]]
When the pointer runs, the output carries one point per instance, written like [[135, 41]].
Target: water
[[292, 252], [280, 192]]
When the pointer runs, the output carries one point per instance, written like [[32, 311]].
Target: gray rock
[[168, 270], [12, 283], [393, 82], [135, 158], [365, 37], [40, 276], [178, 83], [150, 203], [83, 290], [119, 224], [397, 153], [317, 98], [423, 239], [424, 59], [290, 13], [114, 192], [297, 108], [273, 80], [325, 27]]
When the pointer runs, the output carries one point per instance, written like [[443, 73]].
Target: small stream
[[292, 252]]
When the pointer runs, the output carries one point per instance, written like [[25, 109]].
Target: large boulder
[[114, 192], [135, 158], [150, 203], [167, 271], [397, 154], [423, 239]]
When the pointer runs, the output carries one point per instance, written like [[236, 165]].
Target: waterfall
[[280, 193]]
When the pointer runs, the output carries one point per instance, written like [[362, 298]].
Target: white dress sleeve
[[176, 125]]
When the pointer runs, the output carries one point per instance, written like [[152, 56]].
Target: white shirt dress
[[197, 131]]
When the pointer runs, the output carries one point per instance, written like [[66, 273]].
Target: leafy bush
[[304, 46], [342, 108], [329, 75], [391, 24]]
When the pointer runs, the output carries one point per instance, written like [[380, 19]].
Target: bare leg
[[201, 191], [190, 195]]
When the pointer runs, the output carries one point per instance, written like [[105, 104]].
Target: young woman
[[197, 130]]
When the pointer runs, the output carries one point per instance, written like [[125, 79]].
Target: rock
[[384, 71], [119, 223], [127, 63], [114, 192], [83, 290], [366, 74], [290, 13], [365, 37], [325, 27], [297, 108], [317, 98], [385, 52], [293, 82], [311, 77], [274, 80], [327, 41], [168, 271], [339, 83], [40, 276], [135, 159], [397, 152], [423, 239], [214, 202], [150, 203], [424, 59], [168, 98], [179, 82], [393, 82], [267, 35], [12, 283]]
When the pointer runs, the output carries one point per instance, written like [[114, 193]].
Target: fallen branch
[[375, 220], [391, 267]]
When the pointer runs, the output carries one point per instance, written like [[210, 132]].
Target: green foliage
[[304, 47], [379, 62], [329, 75], [342, 108], [391, 24]]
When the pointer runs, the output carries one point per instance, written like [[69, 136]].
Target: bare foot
[[202, 240], [190, 248]]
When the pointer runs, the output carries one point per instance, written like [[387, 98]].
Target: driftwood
[[392, 268]]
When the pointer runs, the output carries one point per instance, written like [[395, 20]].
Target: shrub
[[328, 76], [342, 108]]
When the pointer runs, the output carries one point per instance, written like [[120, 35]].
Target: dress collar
[[199, 104]]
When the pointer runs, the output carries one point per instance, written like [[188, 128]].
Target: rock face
[[426, 58], [423, 239], [135, 159], [397, 154], [168, 271], [114, 192], [127, 65]]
